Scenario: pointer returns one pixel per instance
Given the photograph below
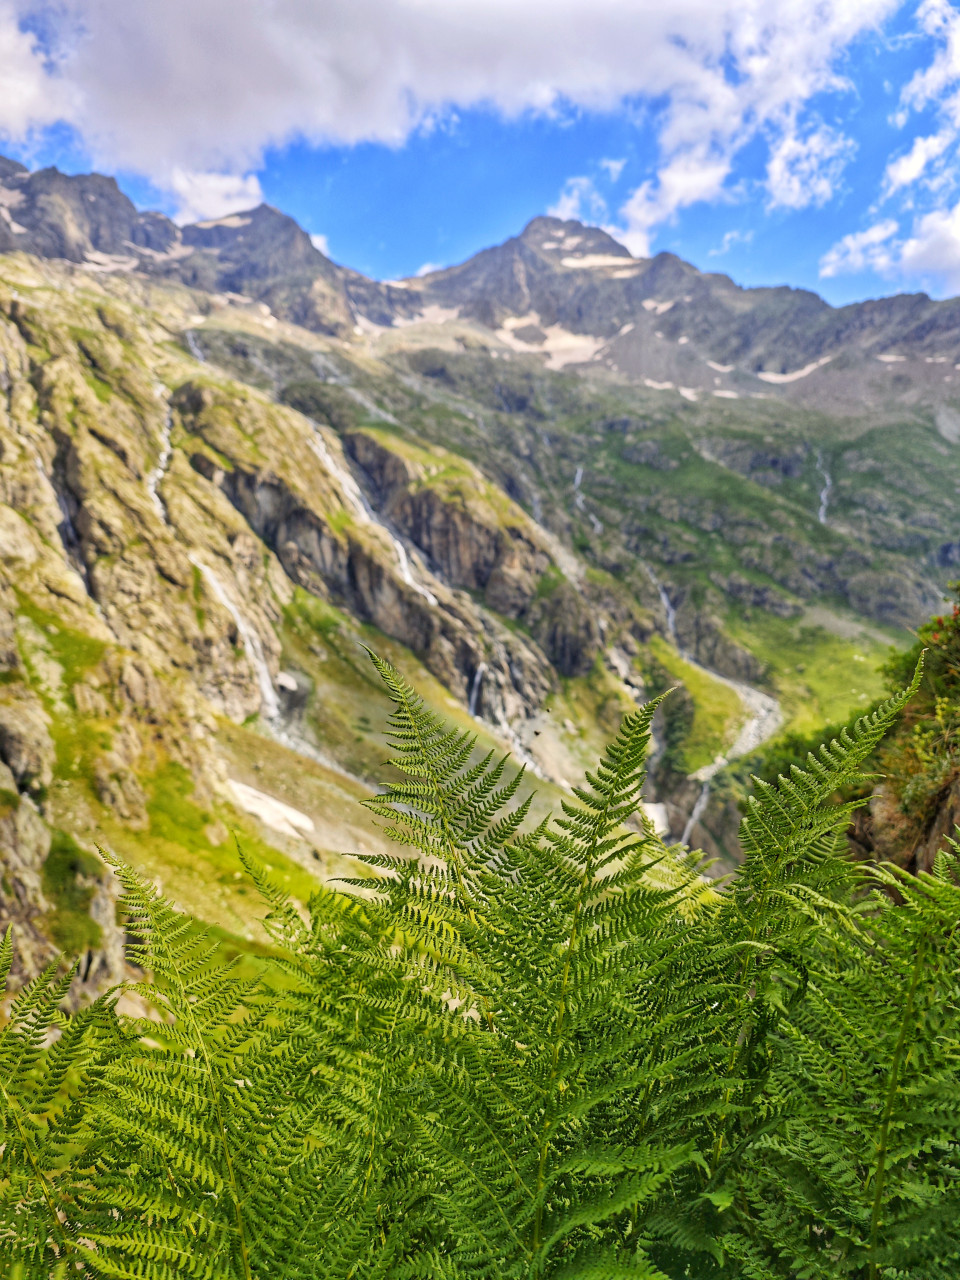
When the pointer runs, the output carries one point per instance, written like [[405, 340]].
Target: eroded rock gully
[[303, 516]]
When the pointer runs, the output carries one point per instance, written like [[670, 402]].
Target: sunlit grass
[[820, 677], [718, 711]]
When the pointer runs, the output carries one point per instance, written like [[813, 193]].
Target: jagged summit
[[88, 220], [572, 239], [80, 218], [261, 242], [11, 168]]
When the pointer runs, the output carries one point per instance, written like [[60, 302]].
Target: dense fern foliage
[[516, 1051]]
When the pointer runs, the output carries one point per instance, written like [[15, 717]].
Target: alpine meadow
[[515, 1050]]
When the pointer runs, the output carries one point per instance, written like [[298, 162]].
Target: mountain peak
[[11, 168], [571, 238]]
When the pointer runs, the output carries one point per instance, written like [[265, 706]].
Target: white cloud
[[213, 195], [31, 97], [933, 250], [940, 20], [322, 243], [804, 170], [614, 168], [906, 169], [780, 57], [428, 268], [686, 180], [923, 173], [936, 85], [930, 255], [729, 240], [579, 200], [207, 87], [861, 251]]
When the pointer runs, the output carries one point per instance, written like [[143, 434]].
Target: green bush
[[550, 1051], [69, 878]]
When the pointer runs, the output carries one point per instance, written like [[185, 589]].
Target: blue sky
[[801, 143]]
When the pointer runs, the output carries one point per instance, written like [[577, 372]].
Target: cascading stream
[[577, 491], [668, 609], [193, 346], [269, 703], [155, 477], [697, 812], [825, 491], [270, 707], [475, 688], [596, 524], [764, 720], [356, 500]]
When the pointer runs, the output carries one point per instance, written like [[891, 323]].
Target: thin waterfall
[[699, 809], [667, 603], [579, 502], [406, 573], [357, 501], [269, 704], [155, 477], [577, 491], [764, 713], [193, 346], [825, 491], [669, 610], [475, 688]]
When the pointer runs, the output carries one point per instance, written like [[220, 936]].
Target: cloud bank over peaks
[[236, 77]]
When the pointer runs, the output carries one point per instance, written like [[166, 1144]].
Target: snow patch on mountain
[[797, 374]]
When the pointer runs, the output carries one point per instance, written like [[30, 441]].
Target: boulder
[[26, 747]]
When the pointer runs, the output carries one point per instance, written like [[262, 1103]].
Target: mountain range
[[655, 320], [547, 482]]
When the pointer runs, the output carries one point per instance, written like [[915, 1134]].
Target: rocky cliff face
[[156, 519], [83, 218], [882, 831]]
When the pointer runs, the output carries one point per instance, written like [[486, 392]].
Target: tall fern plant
[[516, 1051]]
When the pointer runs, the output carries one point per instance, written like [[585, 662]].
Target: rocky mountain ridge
[[563, 291]]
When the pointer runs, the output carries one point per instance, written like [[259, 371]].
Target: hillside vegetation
[[514, 1055]]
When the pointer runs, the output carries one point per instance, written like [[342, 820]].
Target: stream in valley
[[764, 715]]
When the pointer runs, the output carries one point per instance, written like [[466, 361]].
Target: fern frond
[[47, 1147], [202, 1124], [518, 1054]]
